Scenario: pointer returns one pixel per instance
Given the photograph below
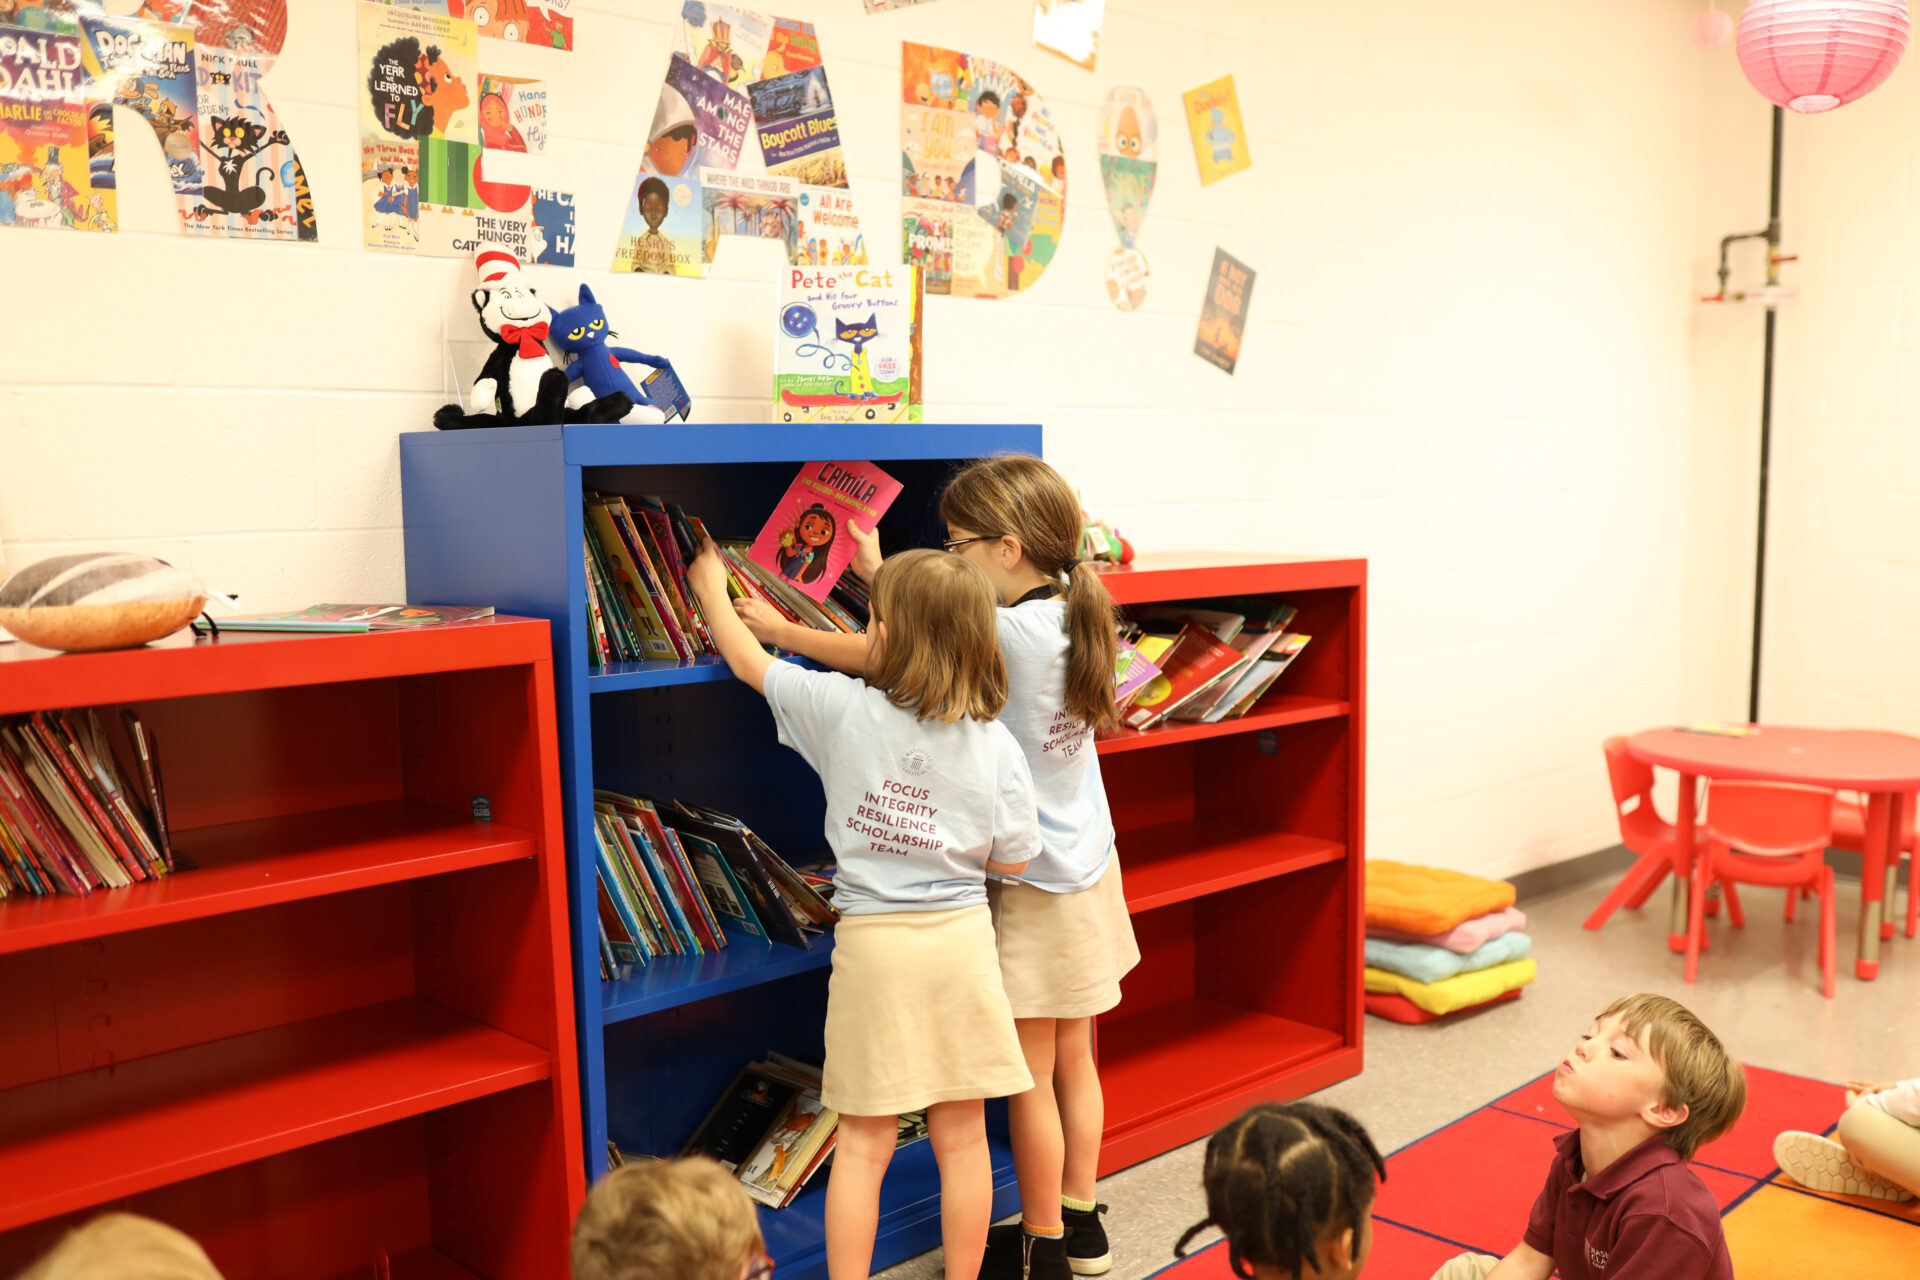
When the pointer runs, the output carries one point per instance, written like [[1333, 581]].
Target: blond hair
[[1016, 496], [941, 656], [122, 1246], [1699, 1074], [666, 1220]]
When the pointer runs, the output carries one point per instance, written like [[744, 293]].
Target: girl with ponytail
[[1064, 936]]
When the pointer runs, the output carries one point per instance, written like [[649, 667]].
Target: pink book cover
[[806, 541]]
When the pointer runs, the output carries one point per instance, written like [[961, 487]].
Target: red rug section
[[1471, 1185]]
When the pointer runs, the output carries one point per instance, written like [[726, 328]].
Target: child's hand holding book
[[866, 556]]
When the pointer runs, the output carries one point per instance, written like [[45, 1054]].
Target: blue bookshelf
[[494, 517]]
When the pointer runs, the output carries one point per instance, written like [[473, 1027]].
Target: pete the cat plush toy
[[520, 384], [582, 332]]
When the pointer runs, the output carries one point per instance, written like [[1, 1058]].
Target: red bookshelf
[[342, 1048], [1242, 845]]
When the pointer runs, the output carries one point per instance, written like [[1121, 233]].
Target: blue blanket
[[1425, 963]]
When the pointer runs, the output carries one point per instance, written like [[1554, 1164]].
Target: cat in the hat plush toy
[[520, 385]]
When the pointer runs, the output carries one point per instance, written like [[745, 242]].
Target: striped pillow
[[98, 600]]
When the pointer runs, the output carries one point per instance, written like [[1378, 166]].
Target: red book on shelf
[[1190, 666]]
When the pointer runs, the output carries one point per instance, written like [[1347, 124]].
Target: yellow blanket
[[1458, 992], [1429, 899]]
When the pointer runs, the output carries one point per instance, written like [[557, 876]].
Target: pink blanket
[[1467, 936]]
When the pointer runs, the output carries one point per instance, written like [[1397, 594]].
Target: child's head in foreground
[[1647, 1060], [668, 1220], [1292, 1189], [121, 1246], [936, 649]]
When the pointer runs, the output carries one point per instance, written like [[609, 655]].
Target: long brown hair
[[941, 657], [1022, 497]]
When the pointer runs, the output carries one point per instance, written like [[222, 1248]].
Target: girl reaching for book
[[926, 794], [1064, 935]]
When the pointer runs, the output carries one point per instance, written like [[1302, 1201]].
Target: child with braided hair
[[1292, 1188]]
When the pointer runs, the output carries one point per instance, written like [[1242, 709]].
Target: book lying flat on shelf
[[806, 541], [1265, 671], [348, 618]]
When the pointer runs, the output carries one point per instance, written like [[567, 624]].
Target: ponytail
[[1013, 494], [1091, 648]]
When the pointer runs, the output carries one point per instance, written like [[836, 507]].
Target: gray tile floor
[[1759, 989]]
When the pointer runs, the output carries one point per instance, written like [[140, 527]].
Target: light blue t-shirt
[[1076, 826], [914, 807]]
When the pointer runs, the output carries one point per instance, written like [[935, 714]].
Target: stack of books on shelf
[[772, 1131], [72, 818], [639, 606], [1202, 665], [676, 879]]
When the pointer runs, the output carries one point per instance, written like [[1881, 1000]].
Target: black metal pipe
[[1766, 423]]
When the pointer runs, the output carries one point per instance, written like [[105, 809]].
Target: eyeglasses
[[957, 543], [760, 1268]]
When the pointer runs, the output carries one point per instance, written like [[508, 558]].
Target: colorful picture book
[[678, 880], [806, 541], [355, 617], [849, 342], [1217, 660], [1131, 671], [771, 1130], [73, 817], [640, 607]]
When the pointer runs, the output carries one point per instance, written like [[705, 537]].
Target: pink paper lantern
[[1712, 29], [1815, 55]]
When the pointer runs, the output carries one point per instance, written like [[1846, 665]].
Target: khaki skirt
[[916, 1014], [1062, 955]]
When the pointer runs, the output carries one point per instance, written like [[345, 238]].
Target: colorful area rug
[[1470, 1186]]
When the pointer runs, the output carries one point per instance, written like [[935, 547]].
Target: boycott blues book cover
[[806, 541]]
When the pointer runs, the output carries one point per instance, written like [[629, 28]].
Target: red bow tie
[[530, 337]]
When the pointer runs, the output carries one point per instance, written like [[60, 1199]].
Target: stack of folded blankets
[[1441, 942]]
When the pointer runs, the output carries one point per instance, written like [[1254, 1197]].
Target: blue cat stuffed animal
[[581, 331]]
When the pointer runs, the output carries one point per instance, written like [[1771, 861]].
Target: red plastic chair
[[1646, 833], [1850, 832], [1767, 833]]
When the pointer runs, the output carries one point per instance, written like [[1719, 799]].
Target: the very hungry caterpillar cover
[[849, 344], [806, 541]]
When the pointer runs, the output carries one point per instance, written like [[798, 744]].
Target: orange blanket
[[1429, 899]]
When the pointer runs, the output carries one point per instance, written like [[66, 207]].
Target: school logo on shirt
[[1596, 1258], [916, 762]]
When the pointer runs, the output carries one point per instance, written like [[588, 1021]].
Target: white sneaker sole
[[1824, 1165], [1091, 1266]]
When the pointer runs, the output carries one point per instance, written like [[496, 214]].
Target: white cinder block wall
[[1842, 628], [1477, 227]]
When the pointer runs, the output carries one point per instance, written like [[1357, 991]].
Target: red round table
[[1886, 766]]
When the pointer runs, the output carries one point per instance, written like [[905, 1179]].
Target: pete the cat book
[[806, 540], [849, 345]]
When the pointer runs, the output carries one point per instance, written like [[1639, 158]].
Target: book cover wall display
[[849, 345]]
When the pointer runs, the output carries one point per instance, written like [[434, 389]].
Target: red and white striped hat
[[494, 262]]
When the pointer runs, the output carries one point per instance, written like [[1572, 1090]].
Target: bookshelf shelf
[[496, 516], [676, 980], [1243, 849], [346, 1035], [244, 865], [1189, 859], [73, 1142], [1269, 713], [1218, 1052], [617, 677], [421, 1264]]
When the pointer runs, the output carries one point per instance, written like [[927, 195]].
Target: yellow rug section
[[1779, 1234]]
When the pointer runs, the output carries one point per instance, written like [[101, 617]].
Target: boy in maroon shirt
[[1647, 1084]]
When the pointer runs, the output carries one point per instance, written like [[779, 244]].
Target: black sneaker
[[1013, 1254], [1087, 1251]]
